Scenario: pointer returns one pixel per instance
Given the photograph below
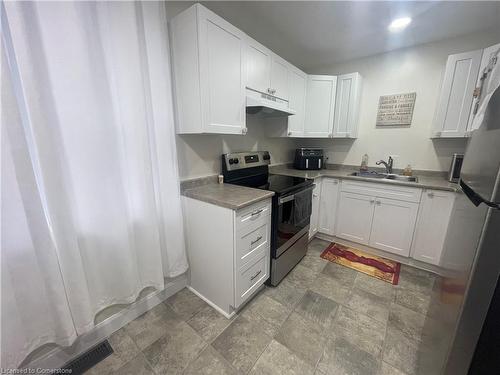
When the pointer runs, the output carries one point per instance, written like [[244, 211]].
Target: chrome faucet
[[388, 164]]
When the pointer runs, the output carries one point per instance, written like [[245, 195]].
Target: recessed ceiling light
[[399, 24]]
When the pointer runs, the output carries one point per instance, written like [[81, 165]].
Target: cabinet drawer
[[248, 215], [252, 239], [402, 193], [250, 278]]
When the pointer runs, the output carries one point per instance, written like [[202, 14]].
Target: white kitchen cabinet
[[432, 224], [347, 103], [208, 73], [393, 225], [280, 84], [228, 252], [329, 197], [488, 53], [320, 106], [355, 215], [265, 71], [316, 194], [297, 102], [455, 101], [258, 66]]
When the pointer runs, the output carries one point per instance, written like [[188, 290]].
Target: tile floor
[[322, 319]]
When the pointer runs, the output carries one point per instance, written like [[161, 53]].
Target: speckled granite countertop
[[227, 195], [428, 182]]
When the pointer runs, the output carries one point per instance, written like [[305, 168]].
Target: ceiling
[[315, 33]]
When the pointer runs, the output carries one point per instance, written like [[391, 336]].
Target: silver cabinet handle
[[378, 203], [257, 212], [372, 201], [254, 276], [289, 133], [315, 195], [244, 130], [255, 241], [430, 194]]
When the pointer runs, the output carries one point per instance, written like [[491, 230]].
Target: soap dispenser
[[364, 163]]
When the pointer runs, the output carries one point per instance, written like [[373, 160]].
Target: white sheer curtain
[[91, 211]]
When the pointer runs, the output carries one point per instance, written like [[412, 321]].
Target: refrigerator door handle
[[476, 198]]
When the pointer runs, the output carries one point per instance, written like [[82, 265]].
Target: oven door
[[293, 217]]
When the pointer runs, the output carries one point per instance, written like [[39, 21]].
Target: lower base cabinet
[[330, 188], [407, 221], [393, 225], [316, 194], [432, 224], [228, 251], [355, 215]]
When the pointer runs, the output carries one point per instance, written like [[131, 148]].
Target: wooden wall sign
[[396, 110]]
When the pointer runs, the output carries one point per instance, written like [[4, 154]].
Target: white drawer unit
[[249, 278], [248, 215], [252, 239], [228, 251]]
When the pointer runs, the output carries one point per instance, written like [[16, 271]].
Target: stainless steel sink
[[369, 174], [385, 176], [398, 177]]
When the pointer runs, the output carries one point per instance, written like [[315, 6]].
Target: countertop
[[227, 195], [427, 182]]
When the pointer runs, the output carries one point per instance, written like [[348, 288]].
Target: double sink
[[385, 176]]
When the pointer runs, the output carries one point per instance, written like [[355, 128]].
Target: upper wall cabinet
[[258, 66], [297, 102], [332, 108], [265, 71], [488, 53], [208, 69], [455, 102], [347, 102], [320, 106]]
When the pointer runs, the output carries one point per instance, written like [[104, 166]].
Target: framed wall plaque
[[396, 110]]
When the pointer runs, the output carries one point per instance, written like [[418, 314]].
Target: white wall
[[418, 69], [200, 155]]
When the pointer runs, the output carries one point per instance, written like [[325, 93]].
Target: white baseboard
[[228, 316], [58, 357]]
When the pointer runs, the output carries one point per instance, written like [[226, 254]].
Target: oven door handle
[[285, 199]]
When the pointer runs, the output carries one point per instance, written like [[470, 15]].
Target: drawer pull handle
[[257, 212], [254, 276], [255, 241]]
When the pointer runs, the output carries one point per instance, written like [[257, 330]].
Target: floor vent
[[90, 358]]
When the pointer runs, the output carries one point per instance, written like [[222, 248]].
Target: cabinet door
[[393, 225], [328, 205], [258, 66], [313, 228], [297, 103], [345, 124], [320, 106], [354, 218], [432, 223], [454, 105], [279, 78], [488, 53], [222, 74]]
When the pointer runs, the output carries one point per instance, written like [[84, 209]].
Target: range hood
[[264, 105]]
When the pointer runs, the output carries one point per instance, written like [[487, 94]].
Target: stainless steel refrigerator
[[462, 331]]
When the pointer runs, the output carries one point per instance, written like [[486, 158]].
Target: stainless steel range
[[291, 206]]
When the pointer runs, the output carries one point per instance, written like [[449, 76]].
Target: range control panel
[[240, 160]]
